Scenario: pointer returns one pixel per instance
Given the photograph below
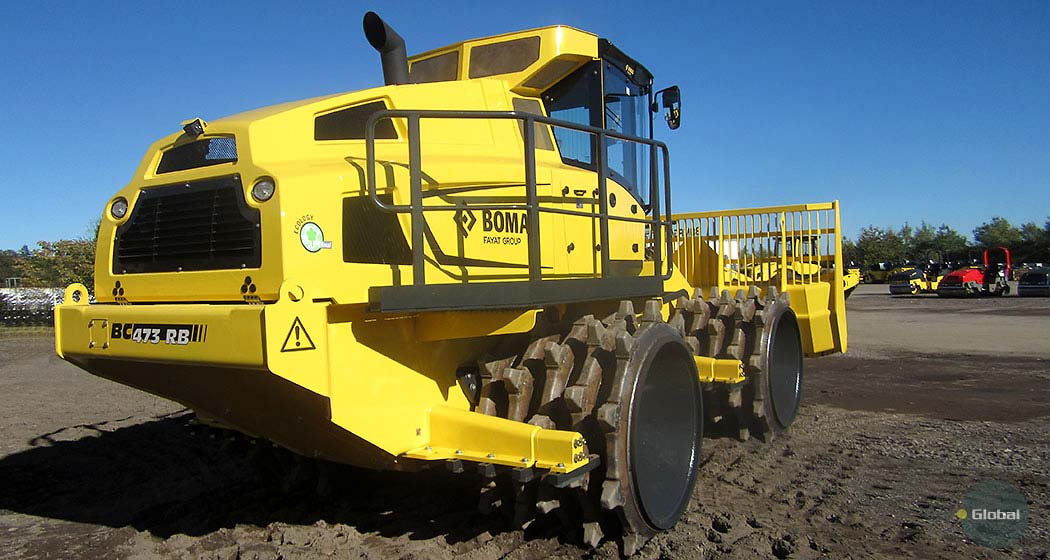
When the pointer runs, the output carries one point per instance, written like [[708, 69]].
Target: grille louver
[[203, 225]]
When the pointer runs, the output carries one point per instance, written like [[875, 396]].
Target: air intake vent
[[203, 225], [371, 235]]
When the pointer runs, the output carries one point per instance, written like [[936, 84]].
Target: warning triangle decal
[[297, 338]]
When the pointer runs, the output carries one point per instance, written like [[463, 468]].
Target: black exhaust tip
[[391, 48]]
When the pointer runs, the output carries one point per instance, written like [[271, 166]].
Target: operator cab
[[800, 246], [580, 78], [615, 93]]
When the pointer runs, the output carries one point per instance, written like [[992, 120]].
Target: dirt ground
[[933, 397]]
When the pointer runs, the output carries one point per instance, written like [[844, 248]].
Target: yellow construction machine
[[473, 265], [907, 281], [912, 280], [851, 278], [810, 247], [879, 273]]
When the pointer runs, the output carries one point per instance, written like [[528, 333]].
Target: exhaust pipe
[[391, 48]]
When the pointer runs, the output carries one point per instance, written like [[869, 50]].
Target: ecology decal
[[312, 237]]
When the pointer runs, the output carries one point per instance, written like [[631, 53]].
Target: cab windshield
[[626, 110]]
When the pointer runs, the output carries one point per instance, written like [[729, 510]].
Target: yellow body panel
[[121, 331], [851, 279], [446, 325], [716, 370], [396, 400], [500, 442]]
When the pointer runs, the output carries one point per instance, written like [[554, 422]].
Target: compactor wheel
[[776, 394], [629, 384], [763, 333]]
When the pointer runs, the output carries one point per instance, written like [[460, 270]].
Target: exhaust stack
[[391, 48]]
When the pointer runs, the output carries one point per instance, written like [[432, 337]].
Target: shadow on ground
[[170, 476]]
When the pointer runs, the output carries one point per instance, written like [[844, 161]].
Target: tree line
[[52, 264], [1027, 243]]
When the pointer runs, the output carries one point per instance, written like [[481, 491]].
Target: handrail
[[660, 222], [757, 210]]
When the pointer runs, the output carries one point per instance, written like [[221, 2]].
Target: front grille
[[203, 225]]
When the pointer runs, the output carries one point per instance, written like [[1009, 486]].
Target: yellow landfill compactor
[[473, 265]]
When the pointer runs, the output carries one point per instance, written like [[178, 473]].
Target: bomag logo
[[499, 221], [502, 221]]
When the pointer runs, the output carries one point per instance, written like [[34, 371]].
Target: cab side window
[[575, 99]]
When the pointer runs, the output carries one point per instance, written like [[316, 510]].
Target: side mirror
[[670, 99]]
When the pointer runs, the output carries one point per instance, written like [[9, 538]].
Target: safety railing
[[778, 246], [657, 218]]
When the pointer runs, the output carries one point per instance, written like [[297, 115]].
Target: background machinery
[[934, 272], [802, 257], [918, 280], [851, 278], [909, 281], [986, 280], [473, 265], [1034, 282], [878, 273]]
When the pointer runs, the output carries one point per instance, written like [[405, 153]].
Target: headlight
[[119, 208], [263, 189]]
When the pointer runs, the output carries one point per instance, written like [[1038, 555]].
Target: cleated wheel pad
[[629, 385], [763, 333]]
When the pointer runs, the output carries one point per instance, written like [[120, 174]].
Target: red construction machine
[[987, 280]]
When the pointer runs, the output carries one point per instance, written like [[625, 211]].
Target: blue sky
[[905, 111]]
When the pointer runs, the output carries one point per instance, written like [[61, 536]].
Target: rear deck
[[795, 249]]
